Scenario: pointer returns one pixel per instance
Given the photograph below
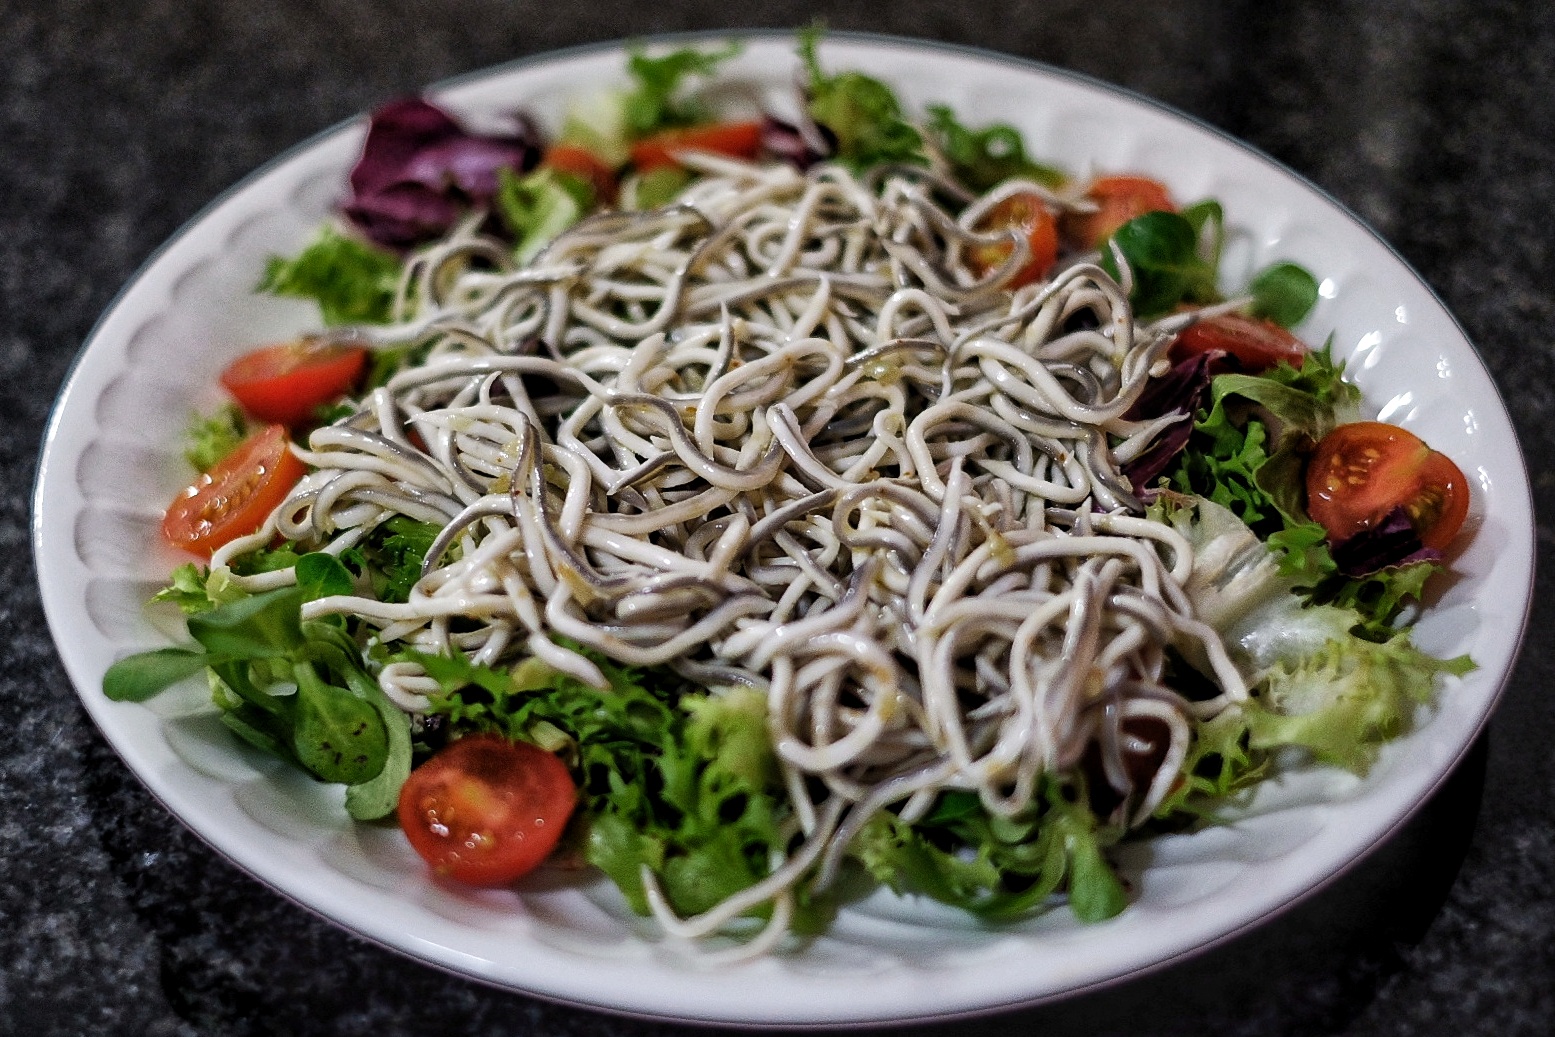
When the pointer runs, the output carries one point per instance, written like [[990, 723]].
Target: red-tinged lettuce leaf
[[1182, 390], [1391, 542], [420, 171], [801, 146]]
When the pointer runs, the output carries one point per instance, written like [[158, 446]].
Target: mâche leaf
[[137, 678], [336, 735], [1161, 250], [320, 575], [1284, 293]]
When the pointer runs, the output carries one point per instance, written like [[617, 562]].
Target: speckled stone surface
[[1435, 121]]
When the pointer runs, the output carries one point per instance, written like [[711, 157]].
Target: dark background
[[1435, 121]]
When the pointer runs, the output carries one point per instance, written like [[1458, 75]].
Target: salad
[[734, 503]]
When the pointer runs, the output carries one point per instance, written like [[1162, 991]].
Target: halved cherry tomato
[[1257, 343], [289, 381], [735, 139], [1028, 213], [485, 810], [1362, 471], [235, 497], [1118, 199], [585, 165]]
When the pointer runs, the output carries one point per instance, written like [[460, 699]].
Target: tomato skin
[[1028, 213], [735, 139], [1363, 471], [1118, 199], [585, 165], [287, 382], [1256, 343], [486, 811], [235, 497]]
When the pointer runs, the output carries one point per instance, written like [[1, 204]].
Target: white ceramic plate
[[111, 462]]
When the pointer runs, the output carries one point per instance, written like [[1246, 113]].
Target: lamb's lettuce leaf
[[326, 716]]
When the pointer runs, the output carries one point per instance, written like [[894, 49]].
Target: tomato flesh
[[235, 497], [289, 381], [1027, 213], [1362, 472], [585, 165], [735, 139], [1118, 199], [486, 811], [1256, 343]]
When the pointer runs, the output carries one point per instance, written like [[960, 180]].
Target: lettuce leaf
[[210, 438], [861, 112], [1248, 454], [420, 171], [1320, 678], [352, 281], [657, 99], [1339, 695], [683, 782], [540, 205], [999, 868], [985, 157], [606, 122]]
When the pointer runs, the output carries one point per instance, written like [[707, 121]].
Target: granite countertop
[[1433, 120]]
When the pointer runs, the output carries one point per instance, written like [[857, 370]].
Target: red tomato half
[[1362, 471], [735, 139], [585, 165], [1118, 199], [1258, 344], [289, 381], [1028, 213], [235, 497], [485, 810]]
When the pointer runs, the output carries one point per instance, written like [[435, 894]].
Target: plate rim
[[95, 704]]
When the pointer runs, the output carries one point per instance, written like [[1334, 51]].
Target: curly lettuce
[[1318, 680]]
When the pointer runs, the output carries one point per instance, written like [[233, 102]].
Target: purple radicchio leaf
[[801, 146], [1182, 390], [420, 171], [1393, 541]]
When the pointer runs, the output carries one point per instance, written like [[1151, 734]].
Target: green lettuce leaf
[[656, 100], [540, 205], [1284, 293], [1320, 678], [999, 868], [210, 438], [352, 281], [1162, 250], [391, 556], [985, 157], [861, 111], [1344, 698], [330, 722], [1248, 454], [680, 781]]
